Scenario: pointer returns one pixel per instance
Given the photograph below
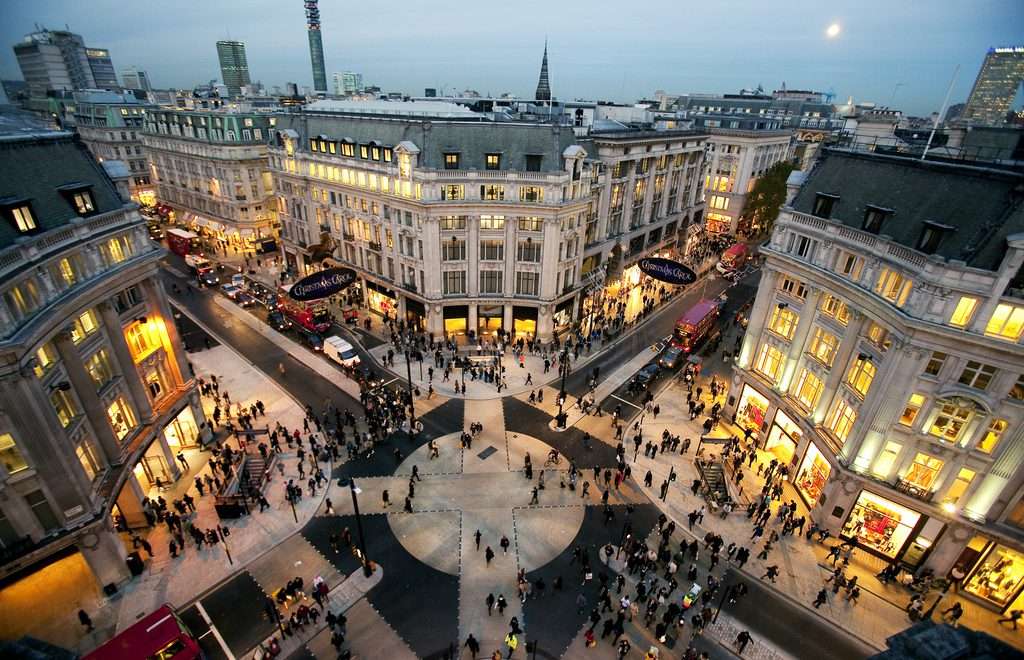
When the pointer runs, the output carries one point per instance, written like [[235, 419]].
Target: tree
[[767, 197]]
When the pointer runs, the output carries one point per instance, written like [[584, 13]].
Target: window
[[98, 366], [84, 325], [10, 455], [493, 161], [964, 311], [453, 192], [46, 357], [861, 374], [142, 339], [492, 250], [23, 298], [492, 222], [122, 420], [490, 282], [840, 419], [951, 420], [492, 193], [923, 471], [531, 223], [824, 345], [64, 405], [823, 205], [527, 284], [87, 456], [528, 251], [453, 250], [127, 299], [977, 375], [65, 271], [835, 308], [116, 250], [804, 247], [531, 194], [960, 485], [878, 336], [886, 459], [21, 216], [364, 152], [719, 202], [808, 389], [995, 431], [874, 217], [849, 265], [1006, 322], [454, 282], [769, 362], [1017, 391], [783, 321], [42, 510], [931, 236], [794, 288], [533, 162], [82, 201], [912, 409], [893, 286], [449, 222], [451, 161], [935, 363]]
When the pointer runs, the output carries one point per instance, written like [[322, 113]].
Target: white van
[[340, 351]]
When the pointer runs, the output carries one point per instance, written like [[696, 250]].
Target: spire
[[543, 88]]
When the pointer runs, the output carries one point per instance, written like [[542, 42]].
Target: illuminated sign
[[667, 270], [323, 284]]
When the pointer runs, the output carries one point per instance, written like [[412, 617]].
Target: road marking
[[629, 403], [213, 629], [389, 382]]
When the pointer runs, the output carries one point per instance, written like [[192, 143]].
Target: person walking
[[385, 498], [473, 645], [742, 640], [511, 642], [1014, 617], [533, 498], [488, 555], [490, 603], [772, 572], [477, 537], [502, 604], [504, 544], [821, 598]]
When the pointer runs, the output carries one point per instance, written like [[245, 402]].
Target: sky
[[900, 53]]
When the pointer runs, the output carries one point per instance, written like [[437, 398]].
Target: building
[[462, 225], [55, 60], [543, 85], [136, 78], [210, 167], [110, 124], [234, 68], [996, 87], [883, 362], [347, 83], [316, 47], [740, 150], [96, 394], [102, 68]]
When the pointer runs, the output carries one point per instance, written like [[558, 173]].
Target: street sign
[[323, 284], [667, 270]]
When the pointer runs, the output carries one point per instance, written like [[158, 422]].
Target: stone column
[[471, 320], [178, 361], [758, 317], [851, 336], [123, 358], [172, 461], [129, 502], [104, 551], [506, 318], [803, 330], [84, 386]]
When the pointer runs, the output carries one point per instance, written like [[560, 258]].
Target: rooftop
[[439, 109], [15, 123]]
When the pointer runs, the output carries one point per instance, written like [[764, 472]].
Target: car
[[244, 299], [208, 278], [368, 378], [647, 374], [310, 339], [278, 321], [671, 357], [230, 290]]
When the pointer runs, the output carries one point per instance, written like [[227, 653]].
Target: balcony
[[376, 247], [409, 286], [913, 490], [347, 236]]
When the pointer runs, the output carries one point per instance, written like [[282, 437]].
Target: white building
[[347, 83], [884, 363]]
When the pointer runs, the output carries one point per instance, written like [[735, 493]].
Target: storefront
[[880, 525], [415, 314], [524, 322], [489, 319], [997, 576], [152, 469], [812, 475], [456, 319], [719, 223], [783, 438], [381, 300], [182, 431], [752, 409], [563, 315]]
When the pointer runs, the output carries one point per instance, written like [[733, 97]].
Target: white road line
[[628, 403], [213, 629], [389, 382]]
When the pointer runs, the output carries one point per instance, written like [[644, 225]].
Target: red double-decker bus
[[311, 315], [696, 325], [158, 636]]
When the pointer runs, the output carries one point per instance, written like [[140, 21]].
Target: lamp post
[[351, 483], [727, 594], [412, 403], [563, 368]]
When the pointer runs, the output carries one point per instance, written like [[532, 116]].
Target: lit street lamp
[[367, 571]]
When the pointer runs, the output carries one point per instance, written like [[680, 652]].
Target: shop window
[[794, 288], [840, 419], [769, 362], [46, 357], [935, 363], [977, 375], [121, 417], [887, 459], [64, 406], [923, 471], [824, 346], [13, 459], [861, 374], [836, 309], [1007, 322], [98, 366], [893, 286], [963, 312], [808, 389], [784, 321], [880, 524], [994, 433], [912, 409], [84, 325], [951, 420], [959, 486], [813, 474], [998, 576]]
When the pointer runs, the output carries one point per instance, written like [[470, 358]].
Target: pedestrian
[[473, 645], [511, 641], [771, 572], [329, 507], [502, 603], [477, 537], [821, 599], [490, 603], [533, 498], [488, 555], [1014, 617], [742, 640], [85, 620], [385, 498], [504, 544], [181, 459]]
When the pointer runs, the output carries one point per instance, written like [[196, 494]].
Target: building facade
[[883, 363], [110, 124], [211, 168], [996, 87], [102, 68], [95, 392], [347, 83], [234, 67], [54, 60], [135, 78]]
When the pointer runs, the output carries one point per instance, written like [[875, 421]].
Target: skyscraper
[[59, 60], [543, 87], [102, 68], [135, 78], [316, 46], [347, 83], [234, 68], [996, 87]]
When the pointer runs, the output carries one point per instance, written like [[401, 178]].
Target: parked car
[[278, 321], [310, 339], [647, 374], [671, 358], [244, 299], [230, 290], [208, 278]]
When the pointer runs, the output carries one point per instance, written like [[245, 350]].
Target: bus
[[696, 325], [158, 636], [311, 315], [734, 259], [182, 242]]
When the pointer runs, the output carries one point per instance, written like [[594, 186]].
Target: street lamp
[[412, 400], [351, 483], [563, 368], [727, 594]]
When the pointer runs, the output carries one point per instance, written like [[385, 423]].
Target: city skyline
[[874, 58]]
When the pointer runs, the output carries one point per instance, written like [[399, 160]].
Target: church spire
[[543, 87]]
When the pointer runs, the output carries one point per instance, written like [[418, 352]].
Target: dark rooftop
[[980, 206]]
